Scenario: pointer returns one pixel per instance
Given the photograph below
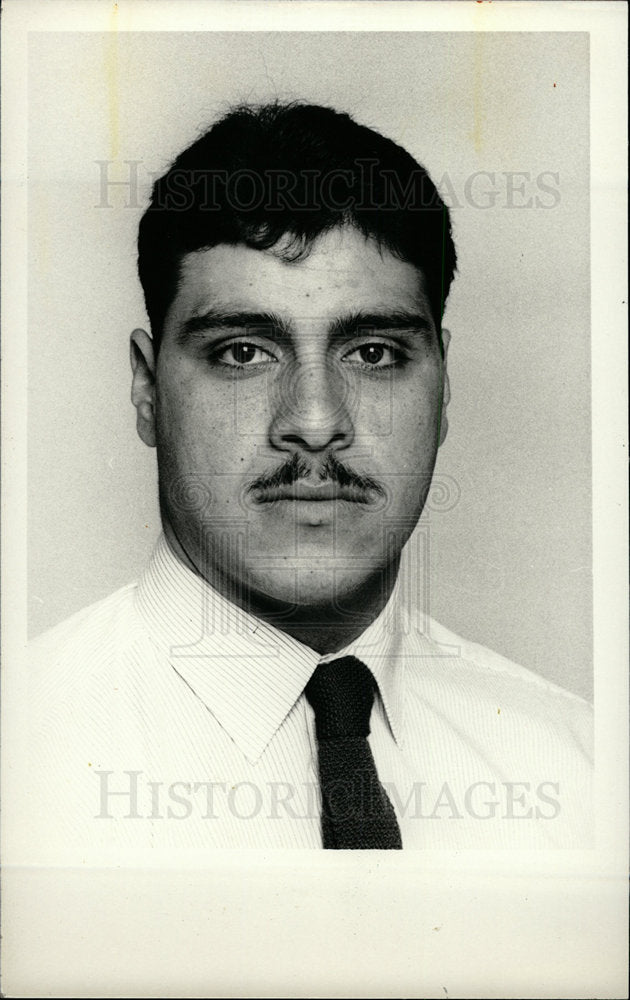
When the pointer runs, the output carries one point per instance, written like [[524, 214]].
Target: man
[[266, 683]]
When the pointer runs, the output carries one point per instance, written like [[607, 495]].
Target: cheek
[[223, 420], [193, 424], [406, 456], [404, 423], [375, 410]]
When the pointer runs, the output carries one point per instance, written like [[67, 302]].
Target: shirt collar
[[247, 673], [380, 647]]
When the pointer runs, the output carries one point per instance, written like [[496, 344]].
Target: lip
[[318, 492]]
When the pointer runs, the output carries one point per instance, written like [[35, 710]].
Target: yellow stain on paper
[[111, 76], [479, 60]]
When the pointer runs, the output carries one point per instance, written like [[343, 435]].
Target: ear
[[143, 384], [446, 395]]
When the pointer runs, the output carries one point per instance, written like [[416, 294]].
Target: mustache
[[332, 470]]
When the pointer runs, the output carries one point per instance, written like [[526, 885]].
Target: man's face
[[297, 410]]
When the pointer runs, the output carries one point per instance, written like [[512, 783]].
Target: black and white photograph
[[312, 507]]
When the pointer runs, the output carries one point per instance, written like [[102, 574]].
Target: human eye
[[242, 354], [375, 354]]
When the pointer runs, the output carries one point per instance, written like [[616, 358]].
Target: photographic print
[[311, 473]]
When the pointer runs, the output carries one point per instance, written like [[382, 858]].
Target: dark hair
[[291, 170]]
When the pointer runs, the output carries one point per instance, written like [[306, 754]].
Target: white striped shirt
[[166, 717]]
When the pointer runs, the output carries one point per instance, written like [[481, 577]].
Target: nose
[[311, 408]]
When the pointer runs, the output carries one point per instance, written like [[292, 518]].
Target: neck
[[325, 627]]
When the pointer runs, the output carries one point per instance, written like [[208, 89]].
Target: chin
[[316, 589]]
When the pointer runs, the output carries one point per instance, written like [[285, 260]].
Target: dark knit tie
[[356, 812]]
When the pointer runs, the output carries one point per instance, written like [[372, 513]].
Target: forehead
[[343, 272]]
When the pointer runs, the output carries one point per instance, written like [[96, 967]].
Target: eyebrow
[[399, 319], [275, 326], [216, 319]]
